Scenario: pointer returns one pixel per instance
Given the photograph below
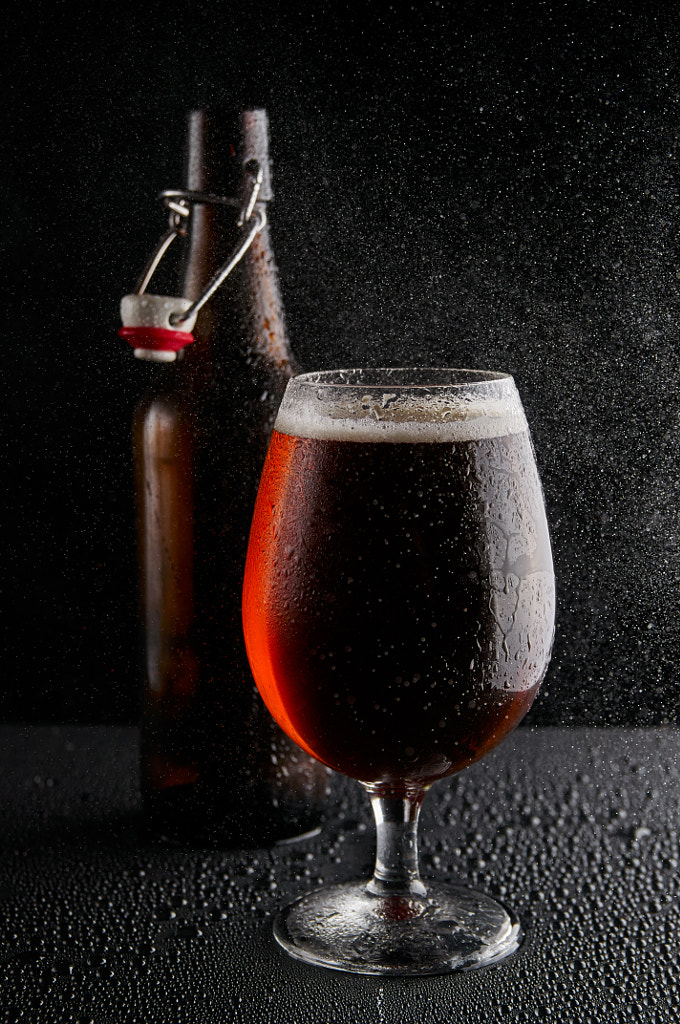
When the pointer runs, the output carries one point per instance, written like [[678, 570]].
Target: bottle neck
[[241, 328], [210, 166]]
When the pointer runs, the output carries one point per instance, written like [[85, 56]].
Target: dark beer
[[399, 595]]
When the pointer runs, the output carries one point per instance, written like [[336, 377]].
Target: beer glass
[[398, 614]]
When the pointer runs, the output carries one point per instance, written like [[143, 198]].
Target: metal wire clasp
[[179, 203]]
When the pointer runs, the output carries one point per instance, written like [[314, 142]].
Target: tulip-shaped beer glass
[[398, 614]]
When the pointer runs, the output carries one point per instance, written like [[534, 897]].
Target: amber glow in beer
[[399, 596]]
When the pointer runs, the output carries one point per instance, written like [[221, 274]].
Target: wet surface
[[576, 829]]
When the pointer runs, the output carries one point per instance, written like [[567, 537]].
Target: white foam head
[[401, 405]]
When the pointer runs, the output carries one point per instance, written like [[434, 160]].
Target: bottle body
[[214, 765]]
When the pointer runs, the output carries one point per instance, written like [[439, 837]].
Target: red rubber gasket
[[159, 339]]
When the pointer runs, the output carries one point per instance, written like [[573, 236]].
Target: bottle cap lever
[[159, 326]]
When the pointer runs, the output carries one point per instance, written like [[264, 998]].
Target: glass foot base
[[346, 928]]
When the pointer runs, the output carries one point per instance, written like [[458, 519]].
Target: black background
[[458, 184]]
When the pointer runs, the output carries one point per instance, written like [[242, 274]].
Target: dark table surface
[[576, 828]]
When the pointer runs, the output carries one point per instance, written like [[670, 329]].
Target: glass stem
[[396, 857]]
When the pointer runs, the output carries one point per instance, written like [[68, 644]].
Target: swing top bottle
[[214, 766]]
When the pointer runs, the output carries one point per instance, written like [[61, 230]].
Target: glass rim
[[390, 403], [432, 377]]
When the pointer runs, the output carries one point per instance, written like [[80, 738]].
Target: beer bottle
[[214, 766]]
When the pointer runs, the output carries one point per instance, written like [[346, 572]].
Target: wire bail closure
[[159, 326]]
